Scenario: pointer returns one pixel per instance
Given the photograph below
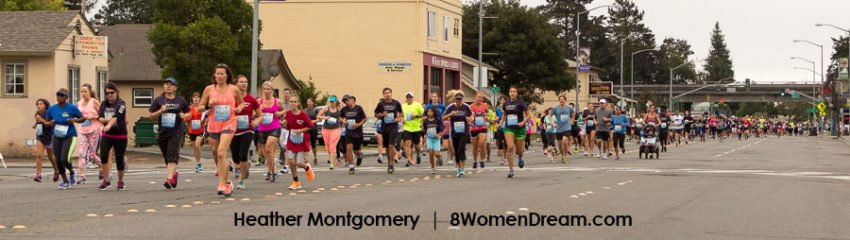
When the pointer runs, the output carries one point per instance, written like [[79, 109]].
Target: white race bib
[[331, 120], [60, 131], [108, 114], [565, 118], [168, 120], [459, 127], [39, 130], [389, 118], [196, 124], [349, 124], [296, 138], [222, 113], [512, 120], [589, 123], [618, 129], [267, 118], [408, 117], [479, 121], [242, 122], [664, 125], [432, 132]]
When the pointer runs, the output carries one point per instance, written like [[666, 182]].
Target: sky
[[759, 33]]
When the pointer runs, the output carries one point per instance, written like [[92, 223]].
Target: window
[[446, 28], [101, 83], [432, 28], [457, 28], [74, 84], [142, 97], [14, 79]]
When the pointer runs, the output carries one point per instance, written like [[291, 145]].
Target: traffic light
[[782, 93], [846, 119]]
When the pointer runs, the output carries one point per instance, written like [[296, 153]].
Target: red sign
[[601, 88], [826, 91], [441, 62]]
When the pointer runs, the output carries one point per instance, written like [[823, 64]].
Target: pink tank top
[[223, 112], [479, 121], [270, 120], [88, 110]]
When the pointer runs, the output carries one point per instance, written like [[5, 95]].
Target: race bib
[[86, 123], [639, 126], [459, 127], [222, 113], [267, 118], [39, 130], [618, 129], [296, 138], [664, 125], [60, 131], [242, 122], [331, 120], [432, 132], [196, 124], [108, 114], [512, 120], [389, 118], [589, 123], [168, 120], [479, 121], [408, 117], [349, 124], [564, 118]]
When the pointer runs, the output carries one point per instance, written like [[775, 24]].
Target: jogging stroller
[[648, 142]]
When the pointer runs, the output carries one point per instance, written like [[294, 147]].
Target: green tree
[[563, 14], [190, 37], [674, 52], [839, 46], [127, 12], [530, 55], [31, 5], [309, 90], [78, 4], [625, 25], [718, 65]]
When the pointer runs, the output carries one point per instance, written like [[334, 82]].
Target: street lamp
[[671, 84], [632, 87], [821, 55], [814, 92], [481, 73], [578, 45]]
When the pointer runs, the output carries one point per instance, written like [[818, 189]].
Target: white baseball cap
[[602, 101]]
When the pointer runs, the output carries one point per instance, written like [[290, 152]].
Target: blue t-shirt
[[60, 116], [440, 109], [499, 118], [621, 121], [562, 115]]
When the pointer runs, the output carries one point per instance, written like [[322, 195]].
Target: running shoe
[[176, 176], [121, 186], [216, 173], [100, 174], [37, 178], [228, 190], [240, 185], [316, 162], [55, 176], [235, 173], [440, 161], [274, 177], [409, 162], [199, 168], [260, 162], [564, 159], [351, 170], [474, 165], [167, 184], [521, 163], [73, 179], [310, 174], [220, 189], [433, 171], [502, 163], [339, 162], [462, 173], [284, 170], [359, 160], [482, 164], [380, 159], [511, 174], [104, 185], [390, 169], [82, 180], [418, 160], [268, 176], [295, 186], [64, 185]]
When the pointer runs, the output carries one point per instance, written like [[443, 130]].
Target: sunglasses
[[110, 93]]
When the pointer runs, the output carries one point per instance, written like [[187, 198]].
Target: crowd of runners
[[285, 133]]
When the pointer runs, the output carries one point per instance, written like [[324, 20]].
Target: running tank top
[[88, 110], [333, 119], [195, 121], [480, 114], [270, 120], [223, 114]]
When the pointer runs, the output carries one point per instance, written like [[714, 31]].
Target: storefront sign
[[442, 62], [94, 46], [601, 88], [395, 67]]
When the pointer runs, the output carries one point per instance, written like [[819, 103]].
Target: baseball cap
[[346, 97], [63, 92], [172, 80], [459, 96], [408, 94], [602, 101], [333, 98]]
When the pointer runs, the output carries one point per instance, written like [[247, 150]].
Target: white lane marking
[[718, 155], [589, 192], [510, 213], [574, 196], [454, 228], [582, 194], [523, 209], [607, 188]]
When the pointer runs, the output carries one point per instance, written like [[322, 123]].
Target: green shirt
[[412, 113]]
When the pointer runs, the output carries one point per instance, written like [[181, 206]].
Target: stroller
[[648, 142]]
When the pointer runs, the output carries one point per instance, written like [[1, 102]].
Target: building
[[37, 54], [469, 88], [273, 60], [358, 47], [550, 98]]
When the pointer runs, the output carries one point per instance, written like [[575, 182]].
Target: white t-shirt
[[678, 122]]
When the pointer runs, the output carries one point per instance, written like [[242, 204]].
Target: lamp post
[[671, 84], [814, 91], [632, 62], [578, 46], [821, 56]]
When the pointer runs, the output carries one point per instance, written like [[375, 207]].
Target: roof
[[474, 62], [133, 59], [34, 32], [274, 57]]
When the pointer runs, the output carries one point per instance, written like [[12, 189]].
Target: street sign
[[621, 104], [821, 106], [648, 103], [495, 89], [811, 110], [795, 95]]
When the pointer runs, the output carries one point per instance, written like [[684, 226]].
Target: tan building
[[469, 89], [359, 47], [37, 58], [550, 98]]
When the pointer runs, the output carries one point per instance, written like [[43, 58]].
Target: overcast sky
[[759, 33]]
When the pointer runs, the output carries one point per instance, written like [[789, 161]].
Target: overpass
[[752, 93]]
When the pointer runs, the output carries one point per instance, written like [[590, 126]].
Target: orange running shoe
[[310, 174], [228, 190], [295, 186]]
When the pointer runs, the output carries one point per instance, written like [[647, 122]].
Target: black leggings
[[240, 145], [459, 144], [120, 146], [170, 148], [61, 152], [619, 140], [314, 137]]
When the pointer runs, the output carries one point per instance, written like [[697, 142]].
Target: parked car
[[370, 133]]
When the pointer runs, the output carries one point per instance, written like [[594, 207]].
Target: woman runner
[[196, 122], [88, 136], [460, 116], [44, 134], [299, 124], [331, 131], [226, 100], [62, 117], [170, 110], [112, 115], [516, 116]]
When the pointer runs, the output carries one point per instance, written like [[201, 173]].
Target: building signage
[[584, 59], [442, 62], [395, 67], [94, 46], [601, 88]]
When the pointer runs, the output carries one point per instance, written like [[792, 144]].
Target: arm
[[205, 99], [321, 115]]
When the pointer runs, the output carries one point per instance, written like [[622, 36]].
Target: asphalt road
[[786, 188]]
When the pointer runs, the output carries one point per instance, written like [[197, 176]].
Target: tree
[[839, 45], [127, 12], [674, 52], [625, 25], [78, 4], [309, 90], [718, 65], [31, 5], [530, 54], [563, 14], [190, 37]]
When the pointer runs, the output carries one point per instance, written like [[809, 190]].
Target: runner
[[576, 130], [516, 116], [330, 114], [284, 169], [564, 118], [491, 129], [589, 130], [620, 122], [500, 131], [478, 129], [269, 128], [551, 125], [388, 111], [460, 115], [312, 112], [62, 117], [226, 101], [380, 137], [244, 134], [298, 124], [663, 132], [678, 128], [433, 128], [170, 109], [603, 133], [112, 114], [353, 118], [196, 121], [44, 134], [88, 135], [689, 122], [412, 134]]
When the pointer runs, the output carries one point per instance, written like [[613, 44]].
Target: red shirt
[[246, 111], [299, 121], [196, 116]]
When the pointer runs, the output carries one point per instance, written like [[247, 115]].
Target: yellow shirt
[[411, 111]]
